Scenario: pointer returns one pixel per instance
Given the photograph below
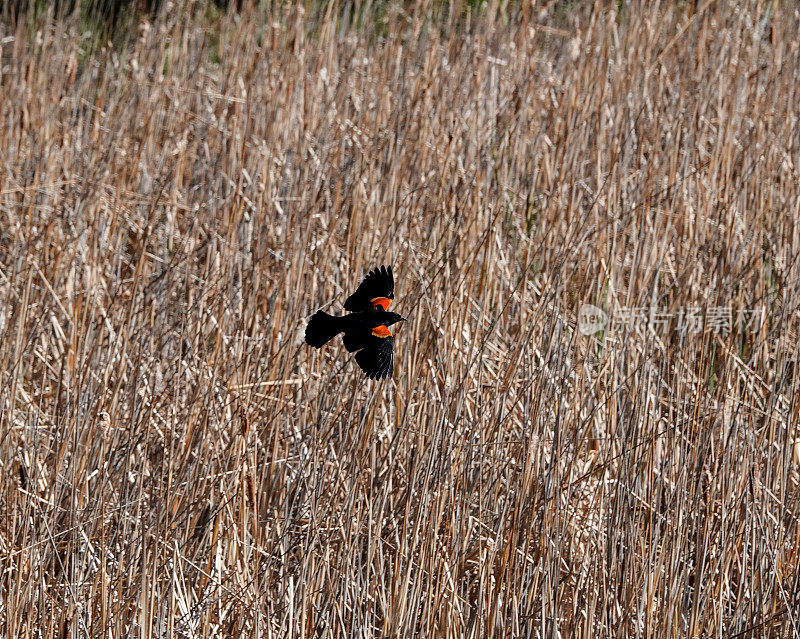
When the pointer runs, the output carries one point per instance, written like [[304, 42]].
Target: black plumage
[[366, 327]]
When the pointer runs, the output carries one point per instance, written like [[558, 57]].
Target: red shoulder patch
[[383, 302], [381, 331]]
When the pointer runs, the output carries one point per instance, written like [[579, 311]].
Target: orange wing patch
[[383, 302], [381, 331]]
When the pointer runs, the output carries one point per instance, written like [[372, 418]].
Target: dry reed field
[[177, 199]]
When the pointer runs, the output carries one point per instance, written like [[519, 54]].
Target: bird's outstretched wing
[[376, 359], [376, 289]]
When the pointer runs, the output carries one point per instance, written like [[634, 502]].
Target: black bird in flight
[[366, 327]]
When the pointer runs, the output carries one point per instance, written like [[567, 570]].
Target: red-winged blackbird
[[366, 328]]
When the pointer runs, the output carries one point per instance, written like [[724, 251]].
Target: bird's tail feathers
[[322, 328]]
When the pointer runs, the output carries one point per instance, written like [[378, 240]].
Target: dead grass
[[175, 463]]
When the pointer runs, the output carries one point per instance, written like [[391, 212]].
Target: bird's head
[[388, 318]]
